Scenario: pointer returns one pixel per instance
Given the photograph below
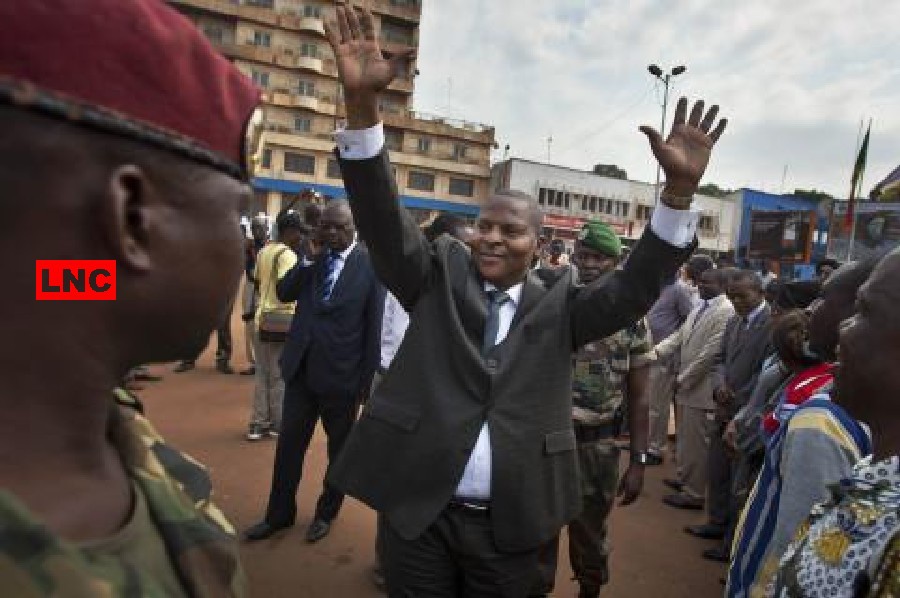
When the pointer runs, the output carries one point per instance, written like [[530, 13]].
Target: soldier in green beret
[[606, 374]]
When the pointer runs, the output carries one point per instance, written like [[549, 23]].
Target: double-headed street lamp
[[665, 78]]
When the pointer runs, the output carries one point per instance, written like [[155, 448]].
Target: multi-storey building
[[280, 44], [568, 197]]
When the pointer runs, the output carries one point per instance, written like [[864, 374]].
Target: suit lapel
[[532, 291], [471, 303]]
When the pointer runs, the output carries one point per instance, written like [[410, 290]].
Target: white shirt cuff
[[360, 144], [675, 227]]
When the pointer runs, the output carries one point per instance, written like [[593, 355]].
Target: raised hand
[[685, 154], [362, 69]]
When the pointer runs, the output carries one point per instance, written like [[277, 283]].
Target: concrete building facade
[[280, 44], [568, 197]]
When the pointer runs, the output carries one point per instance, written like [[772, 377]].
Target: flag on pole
[[856, 181]]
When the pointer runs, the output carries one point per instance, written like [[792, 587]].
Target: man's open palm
[[362, 68], [685, 154]]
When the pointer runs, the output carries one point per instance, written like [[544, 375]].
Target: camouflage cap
[[601, 237]]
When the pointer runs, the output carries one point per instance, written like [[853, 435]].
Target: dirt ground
[[205, 414]]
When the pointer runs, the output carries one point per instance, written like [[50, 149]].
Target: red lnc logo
[[76, 280]]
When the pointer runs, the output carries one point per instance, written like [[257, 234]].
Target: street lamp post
[[664, 78]]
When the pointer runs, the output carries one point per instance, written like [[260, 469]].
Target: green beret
[[601, 237]]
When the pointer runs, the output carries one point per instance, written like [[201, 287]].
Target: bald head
[[533, 210]]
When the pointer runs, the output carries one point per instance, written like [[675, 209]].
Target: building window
[[334, 170], [266, 161], [302, 124], [261, 3], [421, 181], [393, 140], [423, 145], [464, 187], [643, 212], [302, 163], [312, 11], [309, 50], [214, 33], [609, 206], [568, 201], [584, 202], [459, 151], [626, 208], [306, 88], [261, 38], [593, 204], [542, 196], [260, 78]]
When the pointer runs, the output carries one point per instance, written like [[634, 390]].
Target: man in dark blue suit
[[328, 362]]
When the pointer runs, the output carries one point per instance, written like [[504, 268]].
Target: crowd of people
[[474, 395]]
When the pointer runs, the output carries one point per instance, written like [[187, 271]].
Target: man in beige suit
[[694, 347]]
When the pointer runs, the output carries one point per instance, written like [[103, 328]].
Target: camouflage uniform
[[598, 394], [198, 540]]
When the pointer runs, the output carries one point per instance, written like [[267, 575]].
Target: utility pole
[[665, 79]]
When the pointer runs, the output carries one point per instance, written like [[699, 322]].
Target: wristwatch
[[640, 457]]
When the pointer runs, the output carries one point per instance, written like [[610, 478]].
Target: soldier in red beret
[[123, 139]]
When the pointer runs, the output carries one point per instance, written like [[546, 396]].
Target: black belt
[[592, 433], [479, 505]]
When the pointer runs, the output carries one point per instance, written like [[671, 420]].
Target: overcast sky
[[794, 79]]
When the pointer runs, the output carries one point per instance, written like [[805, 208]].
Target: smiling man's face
[[505, 240]]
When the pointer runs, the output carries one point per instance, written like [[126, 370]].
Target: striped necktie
[[331, 262]]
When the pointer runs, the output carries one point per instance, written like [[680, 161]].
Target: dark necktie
[[331, 262], [496, 299], [700, 313]]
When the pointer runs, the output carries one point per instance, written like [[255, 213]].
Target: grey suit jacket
[[695, 347], [741, 356], [414, 437]]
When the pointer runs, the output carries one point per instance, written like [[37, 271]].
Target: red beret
[[131, 67]]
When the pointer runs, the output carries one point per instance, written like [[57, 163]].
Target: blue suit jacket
[[334, 343]]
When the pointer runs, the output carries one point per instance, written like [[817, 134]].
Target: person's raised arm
[[621, 298], [400, 254]]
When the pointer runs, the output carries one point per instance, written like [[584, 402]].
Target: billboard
[[877, 230], [785, 236]]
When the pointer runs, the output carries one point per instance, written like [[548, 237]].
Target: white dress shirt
[[476, 479], [676, 227], [393, 328], [754, 315]]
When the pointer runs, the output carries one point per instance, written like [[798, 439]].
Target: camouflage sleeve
[[200, 540], [640, 347]]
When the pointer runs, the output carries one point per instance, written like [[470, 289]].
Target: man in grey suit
[[745, 345], [467, 446], [695, 347]]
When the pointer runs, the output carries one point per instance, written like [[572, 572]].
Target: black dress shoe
[[317, 530], [250, 371], [223, 368], [707, 531], [263, 530], [146, 377], [675, 485], [184, 366], [682, 501], [654, 459], [716, 554]]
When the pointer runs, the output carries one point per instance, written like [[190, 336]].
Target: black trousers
[[302, 410], [223, 343], [456, 557]]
